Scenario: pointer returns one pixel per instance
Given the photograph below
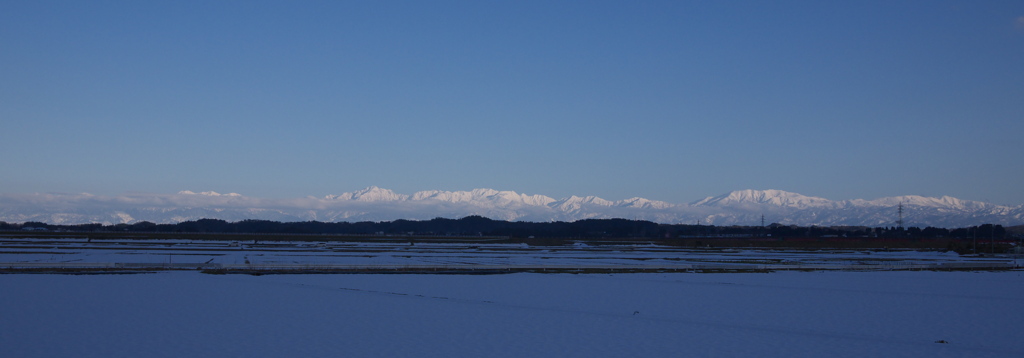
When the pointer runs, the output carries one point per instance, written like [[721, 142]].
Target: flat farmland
[[482, 257]]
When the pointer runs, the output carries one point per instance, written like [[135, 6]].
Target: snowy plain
[[780, 314], [80, 252]]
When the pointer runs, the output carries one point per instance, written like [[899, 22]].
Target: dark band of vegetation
[[582, 229]]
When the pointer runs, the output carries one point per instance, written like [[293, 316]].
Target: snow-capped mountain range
[[743, 207]]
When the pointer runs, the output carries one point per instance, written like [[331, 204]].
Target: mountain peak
[[765, 197], [208, 193], [371, 193], [946, 202], [641, 203], [481, 195]]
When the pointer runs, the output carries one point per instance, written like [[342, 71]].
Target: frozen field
[[781, 314], [183, 254]]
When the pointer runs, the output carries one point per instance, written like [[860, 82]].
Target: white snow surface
[[772, 197], [785, 314], [207, 193], [81, 252]]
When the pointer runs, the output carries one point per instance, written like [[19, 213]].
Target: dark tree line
[[582, 229]]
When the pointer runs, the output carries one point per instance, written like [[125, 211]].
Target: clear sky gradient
[[667, 100]]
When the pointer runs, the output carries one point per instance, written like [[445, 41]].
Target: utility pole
[[899, 222], [992, 238], [975, 239]]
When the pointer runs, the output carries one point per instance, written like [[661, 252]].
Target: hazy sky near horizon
[[667, 100]]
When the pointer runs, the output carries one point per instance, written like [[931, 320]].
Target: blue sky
[[672, 101]]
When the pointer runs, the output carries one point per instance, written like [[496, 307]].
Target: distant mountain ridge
[[765, 197], [741, 207]]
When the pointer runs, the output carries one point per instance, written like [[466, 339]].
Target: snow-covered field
[[781, 314], [185, 254]]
